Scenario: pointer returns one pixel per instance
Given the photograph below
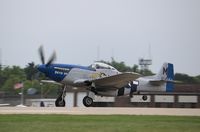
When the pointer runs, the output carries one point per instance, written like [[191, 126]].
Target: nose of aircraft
[[42, 68]]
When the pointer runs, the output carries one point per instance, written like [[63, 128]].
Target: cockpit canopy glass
[[100, 65]]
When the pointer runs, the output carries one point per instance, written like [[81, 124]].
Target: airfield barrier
[[74, 99], [160, 100]]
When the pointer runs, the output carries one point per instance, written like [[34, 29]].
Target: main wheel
[[60, 102], [87, 101]]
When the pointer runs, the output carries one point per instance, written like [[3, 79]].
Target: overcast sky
[[82, 31]]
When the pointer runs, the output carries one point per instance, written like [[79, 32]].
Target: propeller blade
[[41, 53], [52, 59]]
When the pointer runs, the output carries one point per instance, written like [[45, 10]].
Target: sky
[[83, 31]]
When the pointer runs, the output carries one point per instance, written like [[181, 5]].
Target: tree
[[135, 68], [31, 71], [197, 78], [122, 67], [10, 76], [186, 78], [146, 72]]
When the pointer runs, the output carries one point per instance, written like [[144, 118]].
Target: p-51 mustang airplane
[[103, 80]]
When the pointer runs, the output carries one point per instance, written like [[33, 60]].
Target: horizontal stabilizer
[[160, 82], [157, 82]]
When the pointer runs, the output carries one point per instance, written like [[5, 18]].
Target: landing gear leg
[[88, 100], [60, 101]]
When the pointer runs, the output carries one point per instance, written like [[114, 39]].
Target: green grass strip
[[105, 123]]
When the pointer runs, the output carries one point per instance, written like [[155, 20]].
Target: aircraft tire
[[144, 97], [60, 102], [87, 101]]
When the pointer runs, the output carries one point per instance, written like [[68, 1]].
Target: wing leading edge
[[115, 82]]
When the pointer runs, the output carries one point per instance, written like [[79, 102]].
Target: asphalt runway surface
[[101, 111]]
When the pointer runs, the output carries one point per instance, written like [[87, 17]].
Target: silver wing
[[109, 83]]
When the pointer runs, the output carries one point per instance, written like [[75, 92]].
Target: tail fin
[[166, 73]]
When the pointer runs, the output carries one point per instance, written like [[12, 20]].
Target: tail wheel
[[60, 102], [87, 101], [144, 97]]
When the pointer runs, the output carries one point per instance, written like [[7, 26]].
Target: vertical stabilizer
[[166, 73]]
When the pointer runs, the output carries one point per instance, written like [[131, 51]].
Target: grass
[[111, 123]]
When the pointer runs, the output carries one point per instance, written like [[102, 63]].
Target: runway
[[101, 111]]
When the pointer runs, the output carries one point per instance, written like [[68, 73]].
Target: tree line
[[31, 77]]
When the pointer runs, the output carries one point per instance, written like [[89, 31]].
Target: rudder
[[170, 78], [166, 74]]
